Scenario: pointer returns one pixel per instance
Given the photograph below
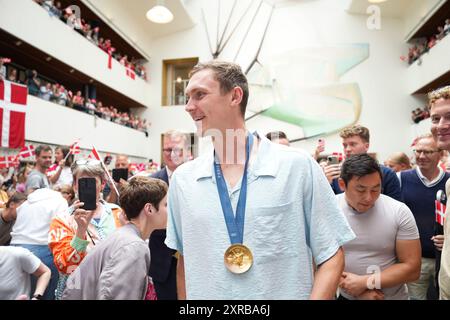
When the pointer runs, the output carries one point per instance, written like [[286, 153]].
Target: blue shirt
[[292, 217], [390, 184]]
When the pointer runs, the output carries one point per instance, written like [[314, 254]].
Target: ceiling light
[[159, 14], [377, 1]]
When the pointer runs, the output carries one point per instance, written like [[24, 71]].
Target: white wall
[[50, 123], [32, 24], [417, 12], [386, 102]]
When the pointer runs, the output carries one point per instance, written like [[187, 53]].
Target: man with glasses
[[419, 187], [439, 104], [163, 262]]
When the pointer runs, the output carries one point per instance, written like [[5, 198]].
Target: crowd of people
[[422, 46], [92, 33], [345, 228], [58, 94]]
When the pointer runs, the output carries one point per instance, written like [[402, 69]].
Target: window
[[175, 79]]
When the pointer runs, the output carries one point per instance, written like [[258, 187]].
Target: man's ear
[[237, 95], [342, 184], [149, 208]]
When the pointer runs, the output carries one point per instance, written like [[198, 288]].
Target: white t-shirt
[[65, 178], [16, 265], [35, 215], [377, 231]]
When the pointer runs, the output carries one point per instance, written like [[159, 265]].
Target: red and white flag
[[9, 161], [27, 152], [13, 102], [94, 154], [52, 170], [75, 148], [440, 212], [130, 73]]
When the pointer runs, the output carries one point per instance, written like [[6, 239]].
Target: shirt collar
[[427, 182], [264, 164]]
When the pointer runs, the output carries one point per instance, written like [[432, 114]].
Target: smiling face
[[440, 123], [427, 154], [206, 104]]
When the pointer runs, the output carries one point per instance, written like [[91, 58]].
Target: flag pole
[[106, 171]]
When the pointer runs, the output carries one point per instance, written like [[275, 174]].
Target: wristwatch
[[38, 296]]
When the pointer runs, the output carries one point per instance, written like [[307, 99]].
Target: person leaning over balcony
[[33, 82], [75, 232]]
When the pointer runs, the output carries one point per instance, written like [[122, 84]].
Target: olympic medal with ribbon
[[238, 258]]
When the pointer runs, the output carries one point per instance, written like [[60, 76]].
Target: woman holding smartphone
[[75, 232]]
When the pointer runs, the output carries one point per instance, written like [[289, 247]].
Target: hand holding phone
[[87, 193]]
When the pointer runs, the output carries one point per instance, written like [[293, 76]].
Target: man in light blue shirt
[[291, 220]]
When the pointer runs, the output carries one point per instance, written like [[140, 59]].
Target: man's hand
[[438, 241], [332, 171], [353, 284], [82, 218], [371, 295]]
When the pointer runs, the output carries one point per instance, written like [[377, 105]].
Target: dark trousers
[[167, 290]]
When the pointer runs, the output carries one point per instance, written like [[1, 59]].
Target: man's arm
[[181, 284], [406, 270], [327, 277], [391, 184]]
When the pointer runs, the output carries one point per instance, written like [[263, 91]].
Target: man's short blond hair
[[356, 130], [441, 93]]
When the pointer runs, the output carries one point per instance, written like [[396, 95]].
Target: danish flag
[[75, 148], [440, 212], [9, 161], [27, 152], [13, 102]]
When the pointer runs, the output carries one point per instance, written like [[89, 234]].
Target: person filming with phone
[[356, 140], [86, 223]]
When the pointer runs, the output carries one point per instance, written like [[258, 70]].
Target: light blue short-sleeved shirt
[[292, 216]]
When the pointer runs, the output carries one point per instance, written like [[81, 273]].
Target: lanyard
[[235, 225]]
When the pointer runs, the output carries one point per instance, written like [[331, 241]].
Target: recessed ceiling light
[[377, 1], [159, 14]]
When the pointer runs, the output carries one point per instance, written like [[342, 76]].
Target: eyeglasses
[[425, 152], [174, 150]]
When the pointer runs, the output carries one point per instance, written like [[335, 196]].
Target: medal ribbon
[[235, 225]]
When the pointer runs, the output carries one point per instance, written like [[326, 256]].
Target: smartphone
[[118, 174], [87, 193], [333, 160]]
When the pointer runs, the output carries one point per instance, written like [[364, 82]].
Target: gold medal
[[238, 258]]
